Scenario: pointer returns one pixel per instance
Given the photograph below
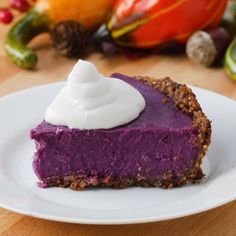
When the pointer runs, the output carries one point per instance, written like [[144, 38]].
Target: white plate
[[18, 190]]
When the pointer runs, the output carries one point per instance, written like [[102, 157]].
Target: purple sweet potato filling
[[149, 147]]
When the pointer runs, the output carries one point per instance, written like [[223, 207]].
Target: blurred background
[[190, 41]]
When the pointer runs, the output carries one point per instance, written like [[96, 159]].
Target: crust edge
[[186, 101]]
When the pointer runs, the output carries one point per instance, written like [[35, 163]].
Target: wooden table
[[51, 68]]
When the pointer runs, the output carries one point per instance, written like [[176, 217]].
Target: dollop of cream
[[92, 101]]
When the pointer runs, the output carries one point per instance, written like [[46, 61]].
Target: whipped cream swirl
[[92, 101]]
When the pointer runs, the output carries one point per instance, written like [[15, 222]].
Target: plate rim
[[117, 222], [112, 221]]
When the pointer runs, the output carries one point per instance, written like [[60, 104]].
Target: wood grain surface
[[51, 68]]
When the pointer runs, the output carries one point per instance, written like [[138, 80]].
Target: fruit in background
[[229, 21], [208, 47], [230, 60], [42, 18], [146, 24], [6, 16], [21, 5], [229, 18]]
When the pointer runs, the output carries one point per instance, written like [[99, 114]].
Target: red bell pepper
[[148, 23]]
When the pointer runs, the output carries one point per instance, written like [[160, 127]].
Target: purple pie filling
[[160, 141]]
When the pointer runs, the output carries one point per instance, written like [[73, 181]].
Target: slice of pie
[[163, 147]]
